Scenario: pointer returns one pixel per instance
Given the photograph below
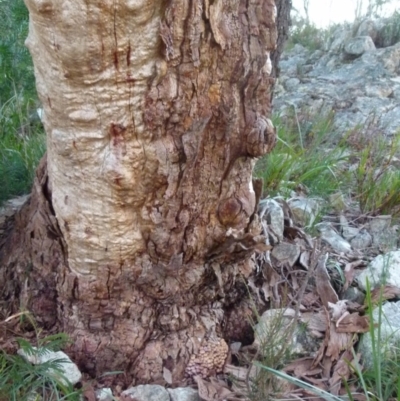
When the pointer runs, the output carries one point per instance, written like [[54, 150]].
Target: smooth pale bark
[[142, 227]]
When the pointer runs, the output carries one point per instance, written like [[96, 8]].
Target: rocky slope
[[355, 78]]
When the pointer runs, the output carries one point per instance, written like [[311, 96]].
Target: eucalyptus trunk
[[142, 220]]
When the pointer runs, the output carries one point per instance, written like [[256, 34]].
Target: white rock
[[362, 240], [184, 394], [357, 46], [272, 329], [104, 394], [304, 210], [70, 371], [389, 335], [147, 392], [329, 235], [384, 269]]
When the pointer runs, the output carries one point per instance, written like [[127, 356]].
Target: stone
[[286, 253], [389, 342], [369, 28], [330, 235], [291, 84], [184, 394], [353, 294], [304, 210], [357, 46], [362, 240], [70, 373], [274, 215], [359, 93], [379, 227], [272, 329], [382, 270], [146, 392], [104, 394]]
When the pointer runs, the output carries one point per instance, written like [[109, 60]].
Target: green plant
[[306, 155], [377, 180], [389, 35], [306, 34], [22, 140], [380, 380], [20, 380]]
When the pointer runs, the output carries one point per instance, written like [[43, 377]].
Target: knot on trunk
[[261, 137]]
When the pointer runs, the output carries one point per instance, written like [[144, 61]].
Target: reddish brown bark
[[206, 116]]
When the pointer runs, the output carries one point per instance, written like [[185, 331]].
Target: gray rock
[[69, 371], [357, 46], [272, 331], [379, 228], [362, 240], [104, 394], [384, 269], [339, 37], [147, 392], [273, 213], [292, 84], [304, 210], [184, 394], [363, 92], [353, 294], [369, 28], [286, 253], [330, 235], [389, 343]]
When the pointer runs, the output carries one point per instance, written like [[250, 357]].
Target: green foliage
[[390, 32], [308, 157], [22, 141], [380, 381], [377, 180], [306, 34], [16, 70], [22, 381], [305, 155]]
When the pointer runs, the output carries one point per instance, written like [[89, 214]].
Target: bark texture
[[138, 233]]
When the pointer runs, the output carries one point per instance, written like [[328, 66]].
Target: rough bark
[[143, 223], [283, 23]]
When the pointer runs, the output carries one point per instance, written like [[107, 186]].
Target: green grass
[[22, 381], [309, 158], [381, 380], [305, 155], [22, 139]]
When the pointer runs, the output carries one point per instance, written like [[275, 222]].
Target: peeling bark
[[144, 221]]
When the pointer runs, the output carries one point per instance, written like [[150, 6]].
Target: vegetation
[[22, 141], [306, 158], [23, 381]]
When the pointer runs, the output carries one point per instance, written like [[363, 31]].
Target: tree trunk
[[142, 219]]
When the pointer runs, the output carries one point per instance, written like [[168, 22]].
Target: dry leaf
[[341, 371], [353, 323], [337, 342], [323, 283], [387, 292], [350, 273]]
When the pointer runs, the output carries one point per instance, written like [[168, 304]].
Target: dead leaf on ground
[[353, 323], [341, 371], [338, 342], [387, 292], [350, 272], [323, 283], [299, 367], [214, 390], [316, 321]]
